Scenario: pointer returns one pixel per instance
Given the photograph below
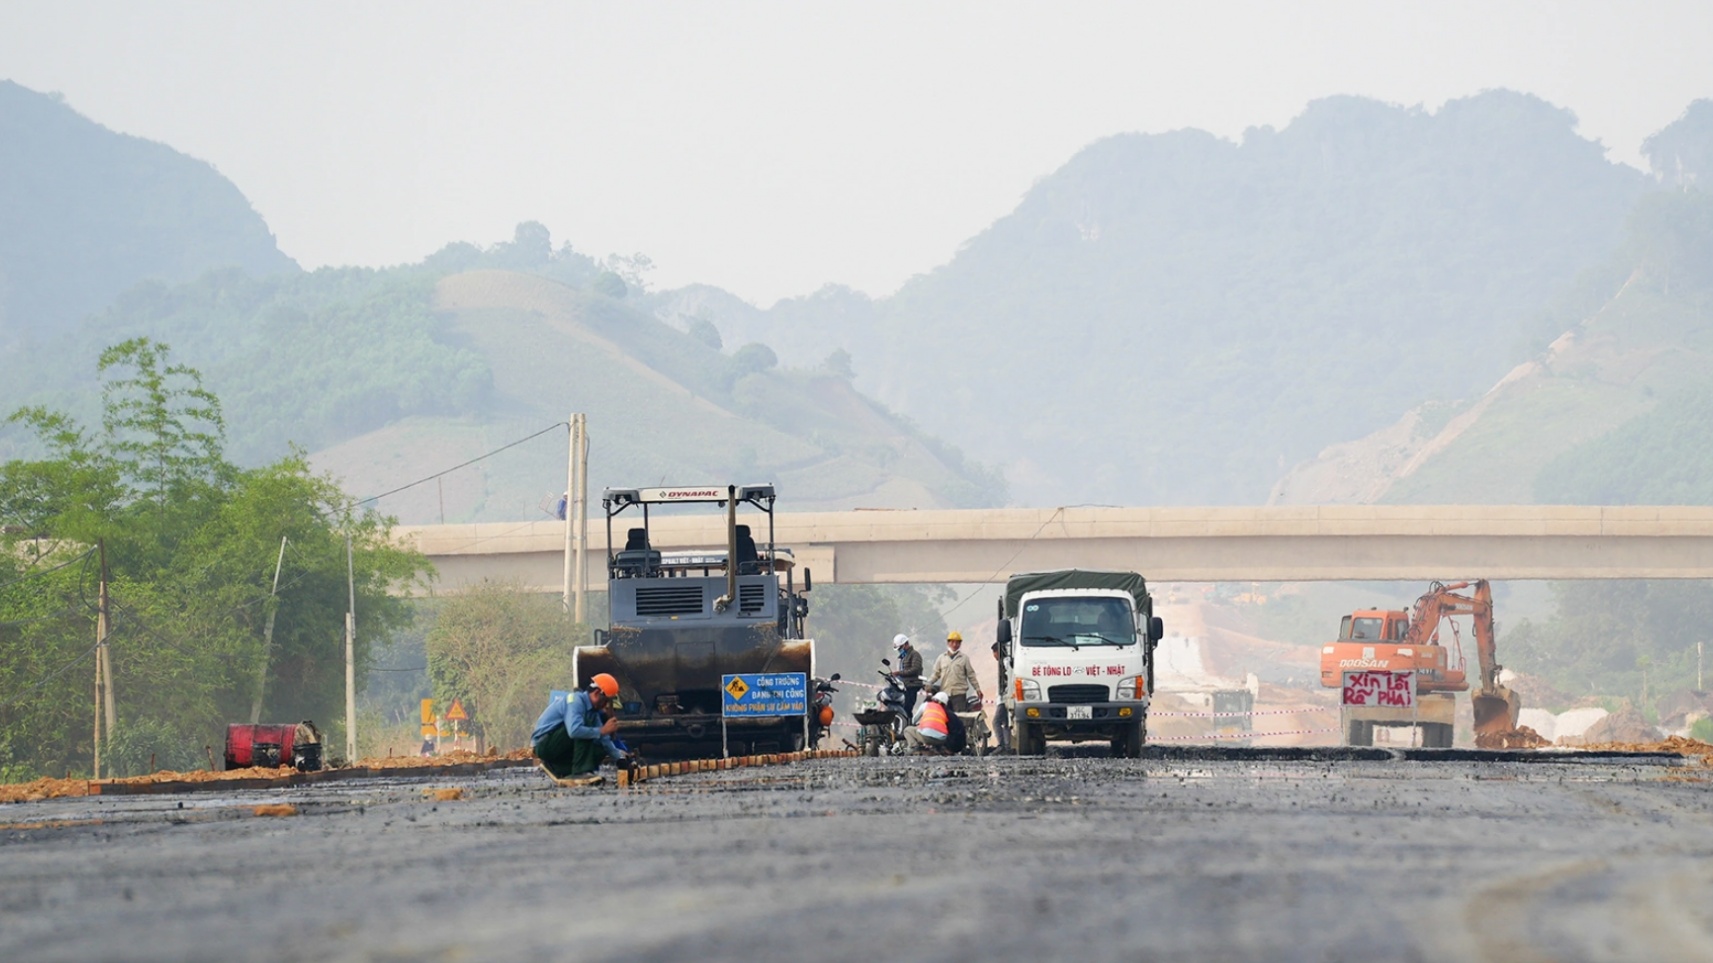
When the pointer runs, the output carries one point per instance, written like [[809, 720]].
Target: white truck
[[1076, 658]]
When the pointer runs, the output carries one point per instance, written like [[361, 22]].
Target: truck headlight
[[1133, 687], [1027, 690]]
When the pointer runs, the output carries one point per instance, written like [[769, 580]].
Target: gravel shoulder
[[1154, 859]]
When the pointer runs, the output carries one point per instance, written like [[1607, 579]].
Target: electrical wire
[[1007, 563], [19, 696], [420, 481], [47, 571]]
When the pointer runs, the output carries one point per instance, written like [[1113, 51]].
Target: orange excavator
[[1397, 641]]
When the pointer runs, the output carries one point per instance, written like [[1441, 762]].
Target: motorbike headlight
[[1133, 687], [1028, 690]]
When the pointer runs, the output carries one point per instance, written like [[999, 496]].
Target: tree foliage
[[501, 649], [1603, 635], [192, 542], [853, 625]]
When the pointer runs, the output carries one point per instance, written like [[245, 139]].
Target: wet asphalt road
[[858, 859]]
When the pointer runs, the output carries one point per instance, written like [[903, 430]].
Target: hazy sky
[[770, 148]]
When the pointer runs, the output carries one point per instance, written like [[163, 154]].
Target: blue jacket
[[579, 717]]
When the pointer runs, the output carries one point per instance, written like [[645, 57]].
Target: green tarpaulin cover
[[1073, 578]]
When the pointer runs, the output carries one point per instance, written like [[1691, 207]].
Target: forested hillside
[[1176, 318], [387, 376], [86, 213], [1616, 410]]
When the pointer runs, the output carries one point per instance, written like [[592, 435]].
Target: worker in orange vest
[[937, 727]]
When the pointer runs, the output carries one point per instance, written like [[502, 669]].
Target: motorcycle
[[821, 709], [883, 721]]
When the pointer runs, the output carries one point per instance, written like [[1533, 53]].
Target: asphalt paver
[[1071, 856]]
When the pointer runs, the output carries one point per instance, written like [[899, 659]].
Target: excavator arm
[[1496, 707]]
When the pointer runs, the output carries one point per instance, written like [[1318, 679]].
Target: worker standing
[[955, 676], [909, 671], [572, 738], [1001, 718]]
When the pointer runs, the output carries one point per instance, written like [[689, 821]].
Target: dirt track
[[952, 859]]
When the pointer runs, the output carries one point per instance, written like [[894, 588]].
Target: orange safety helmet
[[606, 683], [826, 715]]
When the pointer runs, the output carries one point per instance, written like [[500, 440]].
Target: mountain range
[[1372, 303]]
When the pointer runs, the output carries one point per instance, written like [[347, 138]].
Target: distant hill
[[387, 376], [663, 408], [86, 213], [1177, 319]]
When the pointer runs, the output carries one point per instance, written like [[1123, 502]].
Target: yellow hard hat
[[606, 683], [954, 636]]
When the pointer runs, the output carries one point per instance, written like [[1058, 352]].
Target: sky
[[771, 148]]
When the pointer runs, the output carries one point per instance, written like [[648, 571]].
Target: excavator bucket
[[1496, 712]]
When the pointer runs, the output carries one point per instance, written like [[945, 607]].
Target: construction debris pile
[[40, 789], [1522, 737]]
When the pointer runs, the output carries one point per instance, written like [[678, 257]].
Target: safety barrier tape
[[1239, 735], [1257, 712]]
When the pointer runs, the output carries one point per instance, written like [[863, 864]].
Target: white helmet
[[941, 698], [900, 640]]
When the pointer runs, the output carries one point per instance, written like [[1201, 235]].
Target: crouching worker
[[937, 727], [572, 738]]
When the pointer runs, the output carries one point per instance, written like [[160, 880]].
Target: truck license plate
[[1079, 712]]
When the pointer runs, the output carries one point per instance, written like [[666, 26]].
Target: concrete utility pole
[[350, 658], [103, 664], [268, 638], [582, 516], [577, 518]]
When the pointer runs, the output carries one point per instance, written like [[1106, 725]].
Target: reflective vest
[[933, 719]]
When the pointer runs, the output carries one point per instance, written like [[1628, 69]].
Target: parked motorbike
[[883, 720], [821, 709]]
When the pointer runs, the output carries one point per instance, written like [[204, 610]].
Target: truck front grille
[[1078, 693], [669, 600]]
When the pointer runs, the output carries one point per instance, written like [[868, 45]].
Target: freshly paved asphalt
[[1071, 856]]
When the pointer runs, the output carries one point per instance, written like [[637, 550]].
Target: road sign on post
[[456, 713], [758, 695]]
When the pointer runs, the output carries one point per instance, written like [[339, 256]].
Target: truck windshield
[[1076, 622]]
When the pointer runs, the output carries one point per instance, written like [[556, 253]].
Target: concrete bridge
[[1265, 544]]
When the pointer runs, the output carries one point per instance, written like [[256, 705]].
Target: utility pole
[[268, 638], [582, 450], [104, 710], [350, 657], [571, 516], [577, 518]]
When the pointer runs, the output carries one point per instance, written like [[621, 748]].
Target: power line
[[47, 571], [1007, 563], [19, 697], [420, 481]]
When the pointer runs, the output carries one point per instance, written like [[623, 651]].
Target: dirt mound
[[1694, 748], [1626, 726], [455, 758], [1521, 737], [40, 789]]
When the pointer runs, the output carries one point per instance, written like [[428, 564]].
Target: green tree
[[192, 541], [501, 649]]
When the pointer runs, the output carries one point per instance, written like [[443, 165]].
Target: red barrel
[[259, 745]]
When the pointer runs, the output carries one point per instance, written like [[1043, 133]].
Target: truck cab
[[1077, 658]]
